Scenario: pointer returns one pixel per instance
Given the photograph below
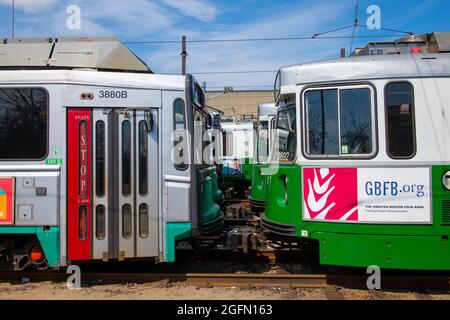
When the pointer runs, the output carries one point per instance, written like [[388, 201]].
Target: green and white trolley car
[[362, 161]]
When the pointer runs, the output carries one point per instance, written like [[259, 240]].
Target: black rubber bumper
[[277, 228], [213, 225], [257, 204]]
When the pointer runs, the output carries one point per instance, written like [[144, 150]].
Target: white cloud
[[201, 10], [131, 19], [270, 55], [160, 20], [31, 6]]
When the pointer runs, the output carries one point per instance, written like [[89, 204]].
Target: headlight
[[446, 180]]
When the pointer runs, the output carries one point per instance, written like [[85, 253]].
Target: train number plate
[[113, 94]]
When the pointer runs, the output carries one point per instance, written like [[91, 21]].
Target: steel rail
[[238, 280]]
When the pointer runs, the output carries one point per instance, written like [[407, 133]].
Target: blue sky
[[134, 20]]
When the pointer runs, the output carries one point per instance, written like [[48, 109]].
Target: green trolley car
[[362, 160], [266, 125]]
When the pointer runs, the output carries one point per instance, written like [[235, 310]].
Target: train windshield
[[263, 142], [286, 135], [201, 140], [198, 97]]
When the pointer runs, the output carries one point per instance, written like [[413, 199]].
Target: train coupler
[[244, 238]]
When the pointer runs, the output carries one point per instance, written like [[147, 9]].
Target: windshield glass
[[263, 143], [200, 127], [286, 135]]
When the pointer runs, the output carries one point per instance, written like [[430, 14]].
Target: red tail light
[[36, 254]]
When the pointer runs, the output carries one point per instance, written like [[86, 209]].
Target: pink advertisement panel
[[370, 195]]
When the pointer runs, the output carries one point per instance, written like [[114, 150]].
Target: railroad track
[[239, 280]]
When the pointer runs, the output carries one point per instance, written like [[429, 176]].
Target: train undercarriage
[[241, 233], [21, 252]]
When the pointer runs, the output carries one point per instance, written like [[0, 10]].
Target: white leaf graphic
[[324, 172], [348, 214], [321, 189], [324, 213], [307, 215], [317, 205]]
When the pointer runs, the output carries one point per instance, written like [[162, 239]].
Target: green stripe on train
[[347, 244], [174, 232], [386, 251]]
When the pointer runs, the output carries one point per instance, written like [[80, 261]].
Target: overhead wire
[[313, 37], [389, 29], [316, 36], [233, 72]]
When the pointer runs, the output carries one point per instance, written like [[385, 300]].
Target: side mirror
[[149, 120]]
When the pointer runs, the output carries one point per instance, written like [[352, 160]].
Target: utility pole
[[13, 18], [355, 25], [184, 54]]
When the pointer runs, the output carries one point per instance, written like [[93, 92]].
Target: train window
[[401, 142], [179, 126], [323, 130], [23, 124], [179, 114], [286, 134], [356, 121], [143, 220], [126, 158], [83, 223], [198, 97], [213, 142], [100, 158], [339, 122], [228, 144], [143, 158], [100, 222], [126, 221]]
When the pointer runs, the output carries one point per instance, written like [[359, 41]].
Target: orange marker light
[[36, 254]]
